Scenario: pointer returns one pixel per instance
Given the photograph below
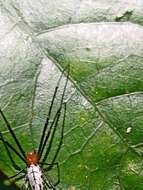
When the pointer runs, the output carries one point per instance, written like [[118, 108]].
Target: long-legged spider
[[35, 160]]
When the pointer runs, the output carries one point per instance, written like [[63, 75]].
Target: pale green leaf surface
[[102, 147]]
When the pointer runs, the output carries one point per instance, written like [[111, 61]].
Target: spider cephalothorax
[[32, 158]]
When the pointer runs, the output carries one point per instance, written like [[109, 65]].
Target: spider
[[35, 179]]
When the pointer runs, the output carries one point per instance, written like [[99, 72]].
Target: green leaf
[[102, 148]]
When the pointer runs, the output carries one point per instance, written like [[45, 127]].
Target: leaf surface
[[102, 148]]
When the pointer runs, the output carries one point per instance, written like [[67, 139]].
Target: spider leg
[[43, 138], [11, 177], [49, 168], [15, 166], [51, 137], [16, 179], [61, 140], [12, 133], [47, 119], [48, 183], [9, 146], [54, 124], [24, 187], [48, 134]]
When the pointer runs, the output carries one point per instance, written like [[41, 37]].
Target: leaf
[[102, 147]]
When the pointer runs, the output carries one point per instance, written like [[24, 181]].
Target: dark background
[[6, 187]]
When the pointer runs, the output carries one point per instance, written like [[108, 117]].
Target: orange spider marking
[[32, 158]]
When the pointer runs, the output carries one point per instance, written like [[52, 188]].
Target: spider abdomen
[[34, 177]]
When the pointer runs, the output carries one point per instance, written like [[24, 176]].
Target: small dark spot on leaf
[[125, 17], [87, 49]]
